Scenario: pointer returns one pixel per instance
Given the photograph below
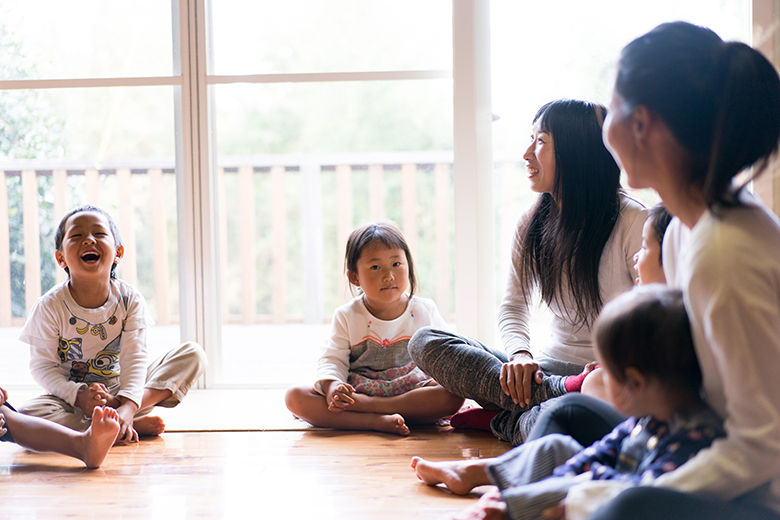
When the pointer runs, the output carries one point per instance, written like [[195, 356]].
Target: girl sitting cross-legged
[[366, 379]]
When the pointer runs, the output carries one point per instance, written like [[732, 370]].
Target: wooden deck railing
[[283, 224]]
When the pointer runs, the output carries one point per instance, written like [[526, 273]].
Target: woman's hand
[[3, 396], [517, 375]]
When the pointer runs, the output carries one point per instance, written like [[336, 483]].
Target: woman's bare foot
[[100, 436], [392, 424], [149, 425], [490, 506], [460, 476]]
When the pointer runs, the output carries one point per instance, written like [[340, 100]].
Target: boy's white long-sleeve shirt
[[571, 341], [360, 340], [728, 266], [71, 345]]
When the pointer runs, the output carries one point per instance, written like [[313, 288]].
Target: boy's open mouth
[[90, 257]]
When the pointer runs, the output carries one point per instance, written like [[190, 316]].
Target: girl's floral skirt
[[390, 382]]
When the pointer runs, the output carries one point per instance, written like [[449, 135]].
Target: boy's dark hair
[[647, 328], [659, 218], [385, 232], [59, 234], [566, 231]]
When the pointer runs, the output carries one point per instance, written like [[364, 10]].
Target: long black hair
[[565, 233], [721, 101]]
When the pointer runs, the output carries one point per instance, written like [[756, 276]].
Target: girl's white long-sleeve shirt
[[360, 340], [571, 341], [728, 267]]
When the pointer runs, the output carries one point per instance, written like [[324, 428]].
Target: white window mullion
[[198, 258], [473, 170]]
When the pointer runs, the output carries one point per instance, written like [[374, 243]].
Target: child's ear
[[60, 258], [636, 381], [120, 252], [353, 279]]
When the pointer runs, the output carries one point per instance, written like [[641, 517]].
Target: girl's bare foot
[[460, 476], [149, 425], [100, 436], [392, 424], [490, 506]]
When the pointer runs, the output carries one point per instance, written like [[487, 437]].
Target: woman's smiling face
[[540, 161]]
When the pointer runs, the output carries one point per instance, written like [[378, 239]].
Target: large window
[[237, 143]]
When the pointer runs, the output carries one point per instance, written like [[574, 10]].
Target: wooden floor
[[276, 474]]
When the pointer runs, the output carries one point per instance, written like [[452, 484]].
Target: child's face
[[382, 273], [88, 247], [647, 261]]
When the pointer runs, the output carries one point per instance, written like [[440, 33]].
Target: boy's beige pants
[[176, 370]]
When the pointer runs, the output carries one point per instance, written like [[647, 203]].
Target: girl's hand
[[339, 397], [516, 377]]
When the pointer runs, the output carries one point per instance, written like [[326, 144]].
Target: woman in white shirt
[[690, 113]]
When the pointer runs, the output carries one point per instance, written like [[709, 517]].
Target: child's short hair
[[385, 232], [659, 218], [59, 234], [647, 328]]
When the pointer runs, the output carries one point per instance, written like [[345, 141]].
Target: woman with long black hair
[[575, 246]]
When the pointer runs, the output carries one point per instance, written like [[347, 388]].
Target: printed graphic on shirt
[[105, 364], [70, 349]]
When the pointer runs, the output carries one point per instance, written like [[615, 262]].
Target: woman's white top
[[571, 341], [728, 267]]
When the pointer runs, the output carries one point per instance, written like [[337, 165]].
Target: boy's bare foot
[[392, 424], [490, 506], [149, 425], [100, 436], [460, 476]]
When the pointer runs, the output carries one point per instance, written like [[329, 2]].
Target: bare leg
[[90, 446], [310, 406], [593, 385], [151, 424], [490, 506], [460, 476], [421, 406]]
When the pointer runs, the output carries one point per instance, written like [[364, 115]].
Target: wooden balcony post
[[376, 192], [279, 247], [409, 204], [160, 246], [5, 255], [345, 220], [129, 264], [246, 185], [60, 178], [32, 239], [312, 242]]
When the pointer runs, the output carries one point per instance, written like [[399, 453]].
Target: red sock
[[474, 419], [574, 383]]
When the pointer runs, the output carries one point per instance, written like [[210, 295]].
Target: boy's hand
[[91, 396], [126, 412], [339, 396]]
